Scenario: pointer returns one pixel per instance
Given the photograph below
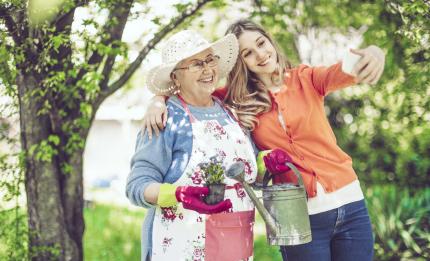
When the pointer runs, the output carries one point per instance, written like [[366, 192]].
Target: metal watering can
[[285, 211]]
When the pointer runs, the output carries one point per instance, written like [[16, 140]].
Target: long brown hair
[[246, 94]]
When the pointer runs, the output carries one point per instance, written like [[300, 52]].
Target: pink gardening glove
[[191, 198], [275, 161]]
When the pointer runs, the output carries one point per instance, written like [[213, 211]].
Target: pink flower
[[198, 253], [168, 213], [197, 178]]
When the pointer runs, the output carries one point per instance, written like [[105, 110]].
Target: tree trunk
[[54, 199]]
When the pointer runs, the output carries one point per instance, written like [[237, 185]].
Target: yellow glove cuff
[[261, 167], [166, 195]]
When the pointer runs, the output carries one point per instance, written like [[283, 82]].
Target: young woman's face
[[258, 53]]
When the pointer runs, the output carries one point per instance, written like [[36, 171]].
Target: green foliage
[[401, 222], [388, 136], [118, 227], [13, 221], [263, 251], [213, 174], [45, 150], [212, 171], [13, 235]]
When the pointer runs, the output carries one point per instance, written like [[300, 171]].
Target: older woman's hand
[[155, 117], [191, 198], [371, 65]]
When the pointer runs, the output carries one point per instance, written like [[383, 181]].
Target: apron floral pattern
[[180, 234]]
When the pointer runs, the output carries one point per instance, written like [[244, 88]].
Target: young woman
[[284, 109]]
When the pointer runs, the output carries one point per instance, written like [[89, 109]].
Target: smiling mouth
[[265, 62], [207, 80]]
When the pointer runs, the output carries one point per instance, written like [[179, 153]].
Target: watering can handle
[[296, 172], [267, 176]]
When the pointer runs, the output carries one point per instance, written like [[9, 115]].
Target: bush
[[401, 222], [13, 234]]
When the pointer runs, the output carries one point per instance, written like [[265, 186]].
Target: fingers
[[361, 64], [369, 71], [222, 206], [282, 168], [280, 157], [154, 125], [378, 75], [197, 191], [203, 208], [217, 208], [371, 66], [370, 77], [269, 164], [165, 118], [357, 51], [148, 128]]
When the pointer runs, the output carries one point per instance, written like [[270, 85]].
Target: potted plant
[[213, 175]]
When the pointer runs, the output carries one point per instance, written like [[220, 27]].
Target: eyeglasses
[[199, 65]]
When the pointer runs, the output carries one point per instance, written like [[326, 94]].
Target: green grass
[[113, 233]]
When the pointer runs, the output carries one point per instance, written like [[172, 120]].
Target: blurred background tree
[[384, 127], [59, 75]]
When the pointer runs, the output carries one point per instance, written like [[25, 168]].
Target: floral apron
[[182, 234]]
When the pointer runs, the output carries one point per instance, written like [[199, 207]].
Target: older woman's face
[[197, 80]]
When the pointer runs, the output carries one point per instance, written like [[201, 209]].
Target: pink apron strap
[[187, 110]]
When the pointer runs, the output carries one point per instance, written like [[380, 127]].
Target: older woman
[[166, 176]]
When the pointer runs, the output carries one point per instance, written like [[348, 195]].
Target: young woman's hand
[[371, 65], [275, 161], [155, 117]]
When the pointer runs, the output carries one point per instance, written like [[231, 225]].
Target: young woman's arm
[[367, 70], [155, 117]]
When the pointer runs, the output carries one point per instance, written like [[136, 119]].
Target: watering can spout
[[237, 172]]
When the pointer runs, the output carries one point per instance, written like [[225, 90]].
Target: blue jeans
[[342, 234]]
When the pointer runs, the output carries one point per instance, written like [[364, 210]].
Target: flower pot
[[216, 194]]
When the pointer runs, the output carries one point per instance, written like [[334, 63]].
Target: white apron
[[182, 234]]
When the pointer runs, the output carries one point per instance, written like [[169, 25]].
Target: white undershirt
[[327, 201]]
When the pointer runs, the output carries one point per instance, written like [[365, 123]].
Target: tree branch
[[107, 70], [149, 46], [79, 3], [119, 12], [11, 25]]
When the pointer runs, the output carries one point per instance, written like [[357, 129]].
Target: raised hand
[[370, 67]]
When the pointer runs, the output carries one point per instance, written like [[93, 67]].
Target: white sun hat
[[183, 45]]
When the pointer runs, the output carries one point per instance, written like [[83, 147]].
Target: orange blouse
[[308, 137]]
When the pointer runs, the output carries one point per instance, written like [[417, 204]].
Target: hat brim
[[227, 48]]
